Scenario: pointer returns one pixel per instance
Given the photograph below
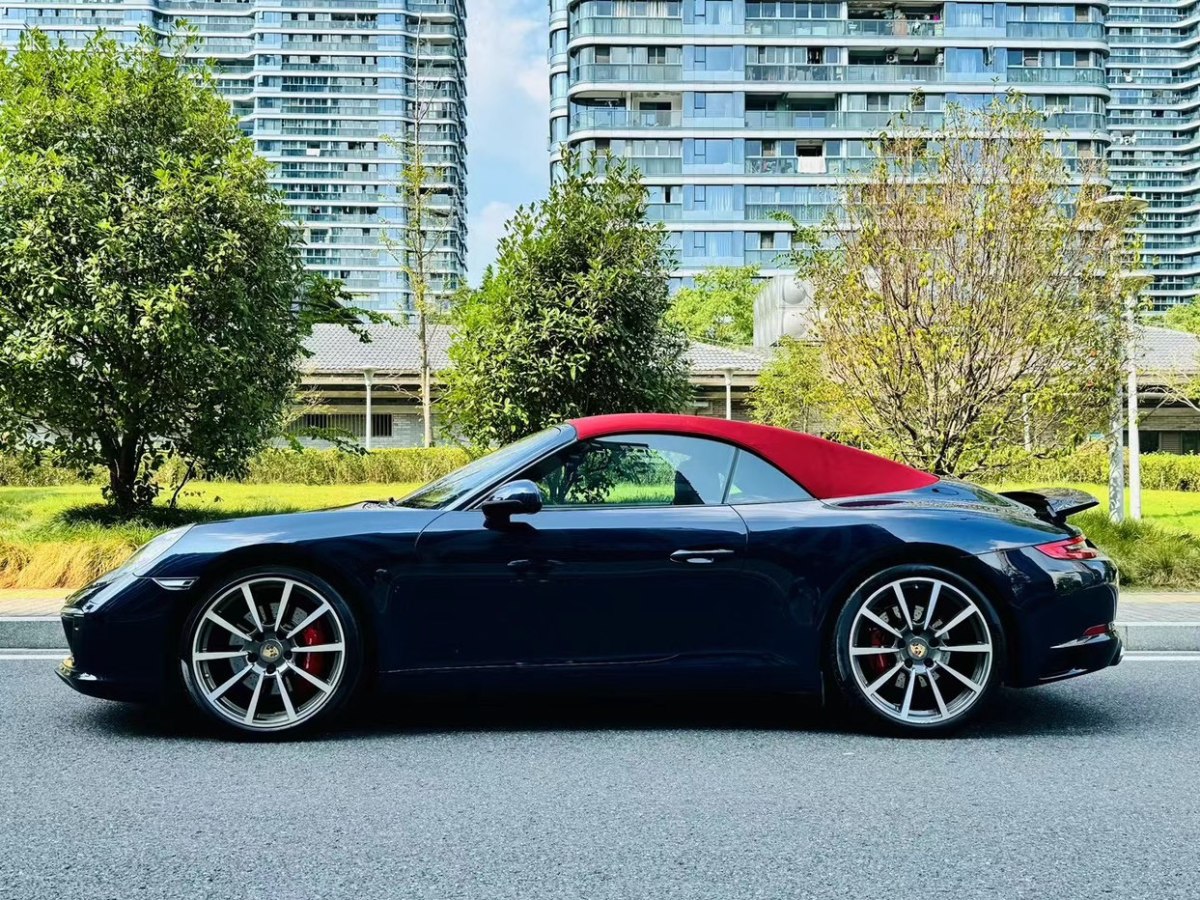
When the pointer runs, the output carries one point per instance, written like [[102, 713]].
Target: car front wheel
[[271, 651], [918, 649]]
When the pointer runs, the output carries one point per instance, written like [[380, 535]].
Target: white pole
[[367, 373], [1135, 447], [728, 393]]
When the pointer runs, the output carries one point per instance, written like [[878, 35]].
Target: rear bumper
[[1083, 655], [1055, 604]]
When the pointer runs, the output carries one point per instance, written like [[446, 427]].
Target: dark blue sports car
[[617, 551]]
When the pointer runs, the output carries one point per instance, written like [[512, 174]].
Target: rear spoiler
[[1053, 504]]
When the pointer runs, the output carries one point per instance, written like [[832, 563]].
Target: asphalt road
[[1082, 789]]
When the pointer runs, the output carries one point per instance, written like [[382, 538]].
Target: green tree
[[720, 308], [149, 279], [1183, 317], [793, 390], [571, 321], [975, 286]]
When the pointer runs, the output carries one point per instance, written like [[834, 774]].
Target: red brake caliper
[[878, 663], [315, 664]]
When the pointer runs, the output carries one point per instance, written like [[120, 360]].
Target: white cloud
[[508, 100], [486, 229]]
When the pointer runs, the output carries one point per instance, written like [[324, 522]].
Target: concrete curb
[[1177, 636], [32, 633], [45, 633]]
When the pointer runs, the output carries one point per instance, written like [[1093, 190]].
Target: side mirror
[[516, 498]]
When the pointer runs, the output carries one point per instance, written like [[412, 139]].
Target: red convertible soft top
[[825, 469]]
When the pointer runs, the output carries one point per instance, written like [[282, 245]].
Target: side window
[[635, 470], [757, 481]]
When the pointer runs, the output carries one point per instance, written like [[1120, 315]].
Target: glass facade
[[1154, 75], [734, 109], [320, 86]]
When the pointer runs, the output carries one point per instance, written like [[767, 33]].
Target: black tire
[[285, 688], [949, 687]]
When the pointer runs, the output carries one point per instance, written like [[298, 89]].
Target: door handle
[[699, 557]]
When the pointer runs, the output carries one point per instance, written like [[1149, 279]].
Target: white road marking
[[1161, 656], [56, 655]]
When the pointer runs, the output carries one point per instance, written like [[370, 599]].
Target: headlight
[[146, 554]]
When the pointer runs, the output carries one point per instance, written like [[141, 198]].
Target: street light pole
[[367, 379]]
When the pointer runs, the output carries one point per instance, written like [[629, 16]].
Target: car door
[[633, 558]]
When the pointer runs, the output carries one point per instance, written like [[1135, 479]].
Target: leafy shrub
[[415, 464], [1089, 465], [409, 465], [1147, 555]]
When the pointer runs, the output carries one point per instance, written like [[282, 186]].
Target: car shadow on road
[[1013, 714]]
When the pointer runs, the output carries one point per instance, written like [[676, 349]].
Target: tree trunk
[[123, 478]]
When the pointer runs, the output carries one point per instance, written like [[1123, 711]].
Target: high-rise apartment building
[[321, 86], [1153, 116], [734, 109]]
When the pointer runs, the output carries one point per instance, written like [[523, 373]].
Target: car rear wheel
[[271, 651], [918, 649]]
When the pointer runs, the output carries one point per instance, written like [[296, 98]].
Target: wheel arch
[[967, 567], [354, 591]]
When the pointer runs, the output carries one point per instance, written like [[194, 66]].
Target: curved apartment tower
[[734, 109], [1154, 74], [320, 85]]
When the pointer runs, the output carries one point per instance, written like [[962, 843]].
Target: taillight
[[1070, 548]]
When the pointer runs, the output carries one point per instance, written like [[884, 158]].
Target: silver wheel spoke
[[961, 617], [210, 655], [320, 648], [310, 618], [917, 605], [217, 620], [906, 707], [961, 677], [249, 595], [289, 710], [885, 678], [248, 612], [899, 591], [220, 692], [867, 614], [253, 708], [313, 680], [283, 601], [937, 695], [933, 599], [873, 651]]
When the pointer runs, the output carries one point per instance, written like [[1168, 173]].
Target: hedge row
[[274, 467], [1089, 465]]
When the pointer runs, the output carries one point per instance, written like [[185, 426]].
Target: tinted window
[[475, 475], [635, 470], [757, 481]]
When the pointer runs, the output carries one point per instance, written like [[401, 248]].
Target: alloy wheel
[[267, 653], [921, 651]]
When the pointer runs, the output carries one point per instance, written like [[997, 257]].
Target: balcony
[[786, 165], [604, 72], [1055, 31]]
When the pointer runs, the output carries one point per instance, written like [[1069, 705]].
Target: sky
[[508, 101]]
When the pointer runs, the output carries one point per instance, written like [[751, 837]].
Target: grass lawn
[[63, 537]]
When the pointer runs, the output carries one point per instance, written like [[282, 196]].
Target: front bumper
[[123, 636]]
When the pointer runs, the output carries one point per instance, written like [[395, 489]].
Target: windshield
[[477, 474]]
